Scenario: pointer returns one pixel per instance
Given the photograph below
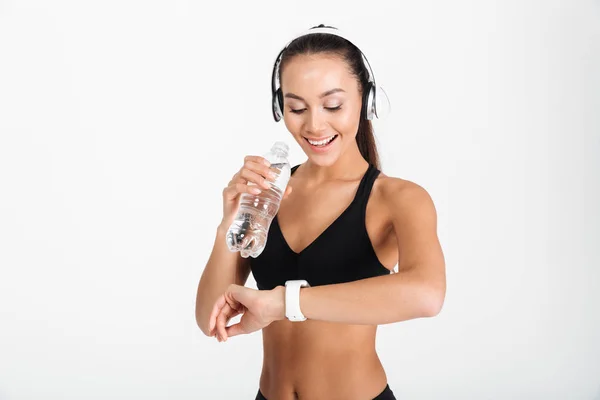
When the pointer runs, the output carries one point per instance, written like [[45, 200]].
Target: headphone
[[370, 99]]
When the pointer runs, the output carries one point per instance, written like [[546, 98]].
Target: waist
[[320, 356], [296, 339]]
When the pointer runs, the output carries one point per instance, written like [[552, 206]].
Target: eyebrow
[[327, 93]]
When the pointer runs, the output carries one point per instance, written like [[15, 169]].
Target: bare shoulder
[[402, 197]]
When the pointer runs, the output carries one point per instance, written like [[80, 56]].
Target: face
[[322, 105]]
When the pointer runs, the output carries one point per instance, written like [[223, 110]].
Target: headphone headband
[[319, 29]]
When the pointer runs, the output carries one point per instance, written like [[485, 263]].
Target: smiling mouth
[[321, 143]]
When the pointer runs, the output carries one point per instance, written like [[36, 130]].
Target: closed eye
[[331, 109]]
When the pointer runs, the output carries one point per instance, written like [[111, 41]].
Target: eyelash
[[331, 109]]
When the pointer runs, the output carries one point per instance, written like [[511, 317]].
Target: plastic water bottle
[[248, 232]]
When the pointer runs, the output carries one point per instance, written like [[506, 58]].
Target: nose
[[316, 122]]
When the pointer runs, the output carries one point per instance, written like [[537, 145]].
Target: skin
[[332, 354]]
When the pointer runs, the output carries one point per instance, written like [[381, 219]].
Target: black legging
[[387, 394]]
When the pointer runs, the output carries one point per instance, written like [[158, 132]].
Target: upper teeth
[[320, 142]]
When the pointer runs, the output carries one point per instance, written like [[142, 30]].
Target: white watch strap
[[292, 300]]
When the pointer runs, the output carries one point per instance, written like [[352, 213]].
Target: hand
[[259, 309], [256, 169]]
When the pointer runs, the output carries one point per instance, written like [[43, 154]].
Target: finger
[[215, 311], [261, 166], [233, 190], [258, 160], [258, 178], [237, 178], [235, 329], [221, 322], [236, 298], [223, 318], [244, 188], [241, 294]]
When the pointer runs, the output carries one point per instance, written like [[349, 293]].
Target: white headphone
[[375, 100]]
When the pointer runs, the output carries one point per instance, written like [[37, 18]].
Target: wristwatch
[[292, 300]]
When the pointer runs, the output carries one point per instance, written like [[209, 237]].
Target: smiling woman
[[325, 278], [344, 98]]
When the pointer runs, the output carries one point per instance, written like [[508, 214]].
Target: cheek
[[347, 121], [292, 124]]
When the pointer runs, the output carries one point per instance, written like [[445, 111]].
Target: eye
[[332, 109]]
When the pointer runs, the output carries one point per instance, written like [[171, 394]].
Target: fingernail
[[255, 190]]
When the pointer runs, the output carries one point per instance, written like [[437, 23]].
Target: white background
[[122, 121]]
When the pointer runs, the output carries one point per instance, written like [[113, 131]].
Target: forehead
[[316, 73]]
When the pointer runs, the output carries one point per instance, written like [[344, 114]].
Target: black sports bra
[[342, 253]]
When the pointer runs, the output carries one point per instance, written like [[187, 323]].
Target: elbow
[[433, 309], [202, 327], [202, 322], [434, 301]]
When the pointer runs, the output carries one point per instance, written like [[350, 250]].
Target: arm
[[417, 290], [222, 269]]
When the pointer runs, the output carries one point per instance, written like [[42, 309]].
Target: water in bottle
[[248, 232]]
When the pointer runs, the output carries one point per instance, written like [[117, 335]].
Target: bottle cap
[[281, 147]]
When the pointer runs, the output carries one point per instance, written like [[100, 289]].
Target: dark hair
[[325, 43]]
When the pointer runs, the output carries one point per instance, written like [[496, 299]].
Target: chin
[[323, 161], [322, 156]]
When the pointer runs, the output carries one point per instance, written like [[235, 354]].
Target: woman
[[342, 229]]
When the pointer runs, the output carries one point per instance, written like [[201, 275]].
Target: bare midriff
[[320, 360]]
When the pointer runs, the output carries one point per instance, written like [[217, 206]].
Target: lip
[[319, 138], [324, 148]]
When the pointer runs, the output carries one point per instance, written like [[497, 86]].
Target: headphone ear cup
[[369, 101], [278, 105], [280, 101]]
